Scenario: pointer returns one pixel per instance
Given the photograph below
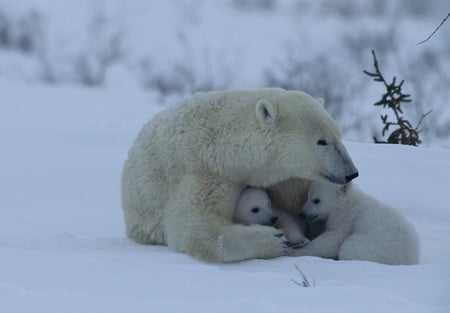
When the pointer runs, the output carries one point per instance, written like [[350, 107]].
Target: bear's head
[[253, 207], [305, 142], [323, 199]]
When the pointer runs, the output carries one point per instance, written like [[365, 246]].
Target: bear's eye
[[322, 142], [316, 201], [255, 210]]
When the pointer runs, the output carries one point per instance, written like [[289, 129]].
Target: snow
[[62, 242]]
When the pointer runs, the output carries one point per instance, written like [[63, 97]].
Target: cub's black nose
[[308, 217], [274, 220], [351, 177]]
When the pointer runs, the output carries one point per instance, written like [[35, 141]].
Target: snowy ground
[[62, 244]]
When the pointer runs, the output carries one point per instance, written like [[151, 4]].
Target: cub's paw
[[299, 244]]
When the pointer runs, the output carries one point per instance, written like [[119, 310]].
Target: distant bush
[[86, 63], [164, 82], [319, 76], [263, 5], [180, 77], [5, 30], [104, 47], [187, 74], [22, 33]]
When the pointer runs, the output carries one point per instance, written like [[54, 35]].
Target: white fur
[[254, 207], [358, 227], [188, 165]]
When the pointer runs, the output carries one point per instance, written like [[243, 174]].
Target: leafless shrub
[[22, 33], [417, 8], [429, 80], [104, 48], [164, 82], [358, 44], [251, 5], [187, 74], [46, 71], [319, 76], [5, 30], [29, 32], [180, 78], [345, 9]]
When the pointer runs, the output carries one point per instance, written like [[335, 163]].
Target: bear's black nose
[[351, 177], [274, 220]]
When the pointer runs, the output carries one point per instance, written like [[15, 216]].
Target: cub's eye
[[316, 201], [321, 142], [255, 210]]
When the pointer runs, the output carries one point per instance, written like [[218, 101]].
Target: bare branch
[[421, 119], [437, 28]]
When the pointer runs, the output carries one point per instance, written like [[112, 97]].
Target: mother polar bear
[[188, 165]]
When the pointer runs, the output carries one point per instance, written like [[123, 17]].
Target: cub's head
[[322, 200], [306, 140], [254, 207]]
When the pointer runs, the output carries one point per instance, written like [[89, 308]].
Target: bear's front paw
[[285, 244], [267, 241]]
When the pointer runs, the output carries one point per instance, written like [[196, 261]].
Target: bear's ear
[[265, 113], [321, 101]]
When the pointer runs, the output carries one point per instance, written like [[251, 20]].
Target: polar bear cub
[[254, 207], [358, 227]]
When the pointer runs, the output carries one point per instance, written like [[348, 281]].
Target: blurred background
[[172, 48]]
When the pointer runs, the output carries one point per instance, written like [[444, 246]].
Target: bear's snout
[[349, 178]]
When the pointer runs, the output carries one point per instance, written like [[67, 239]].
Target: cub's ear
[[321, 101], [266, 113]]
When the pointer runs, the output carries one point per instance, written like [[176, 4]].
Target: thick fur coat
[[358, 227]]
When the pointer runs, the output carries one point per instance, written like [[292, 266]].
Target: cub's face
[[254, 207], [322, 199]]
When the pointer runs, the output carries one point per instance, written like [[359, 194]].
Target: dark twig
[[305, 282], [421, 119], [437, 28]]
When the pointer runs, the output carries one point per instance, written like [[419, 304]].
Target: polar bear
[[189, 163], [254, 207], [358, 227]]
